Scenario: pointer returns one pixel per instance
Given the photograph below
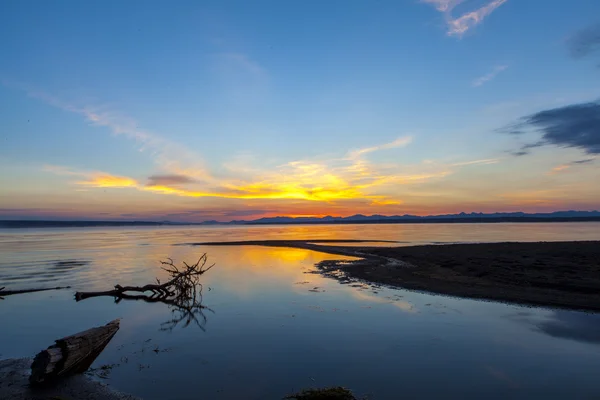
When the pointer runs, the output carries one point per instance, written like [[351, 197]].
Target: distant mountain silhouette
[[570, 215], [557, 216]]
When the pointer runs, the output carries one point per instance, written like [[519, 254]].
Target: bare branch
[[182, 293]]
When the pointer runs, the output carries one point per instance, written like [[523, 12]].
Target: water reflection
[[562, 324], [502, 376], [37, 273], [272, 335], [250, 270], [394, 300]]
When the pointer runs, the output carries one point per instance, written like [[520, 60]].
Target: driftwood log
[[4, 292], [72, 354]]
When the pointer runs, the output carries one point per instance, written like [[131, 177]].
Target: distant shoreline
[[550, 274], [24, 224]]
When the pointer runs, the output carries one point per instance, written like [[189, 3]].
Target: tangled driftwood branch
[[182, 292]]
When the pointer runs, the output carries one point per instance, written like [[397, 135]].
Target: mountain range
[[407, 218]]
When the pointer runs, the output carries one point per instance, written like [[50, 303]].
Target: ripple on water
[[17, 275]]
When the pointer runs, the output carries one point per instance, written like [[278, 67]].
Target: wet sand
[[14, 385], [553, 274]]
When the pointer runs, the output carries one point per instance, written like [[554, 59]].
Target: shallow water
[[277, 327]]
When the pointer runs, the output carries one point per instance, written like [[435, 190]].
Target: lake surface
[[277, 327]]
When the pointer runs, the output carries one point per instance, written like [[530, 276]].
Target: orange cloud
[[106, 180], [94, 178], [325, 182], [559, 168]]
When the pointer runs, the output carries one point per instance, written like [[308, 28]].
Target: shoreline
[[547, 274]]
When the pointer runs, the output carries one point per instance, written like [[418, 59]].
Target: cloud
[[489, 76], [328, 182], [94, 178], [333, 180], [584, 42], [352, 179], [169, 180], [474, 162], [458, 26], [585, 161], [444, 5], [103, 180], [519, 153], [400, 142], [526, 148], [574, 126], [168, 155], [564, 167], [559, 168]]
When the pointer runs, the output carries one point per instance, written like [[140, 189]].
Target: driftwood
[[4, 293], [72, 354], [182, 293]]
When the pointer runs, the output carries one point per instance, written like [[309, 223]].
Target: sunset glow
[[441, 112]]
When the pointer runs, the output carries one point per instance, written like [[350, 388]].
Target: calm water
[[277, 328]]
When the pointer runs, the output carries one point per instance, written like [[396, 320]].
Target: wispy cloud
[[458, 26], [169, 156], [94, 178], [564, 167], [444, 5], [489, 76], [475, 162], [400, 142], [352, 179], [559, 168], [325, 182], [173, 179]]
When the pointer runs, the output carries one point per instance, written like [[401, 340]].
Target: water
[[277, 328]]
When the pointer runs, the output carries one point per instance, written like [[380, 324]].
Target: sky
[[229, 110]]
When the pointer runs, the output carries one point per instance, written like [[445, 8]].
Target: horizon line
[[311, 218]]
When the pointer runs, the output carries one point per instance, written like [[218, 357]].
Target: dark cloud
[[525, 149], [167, 180], [587, 160], [585, 42], [577, 126]]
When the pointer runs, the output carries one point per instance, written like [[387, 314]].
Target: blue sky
[[262, 108]]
